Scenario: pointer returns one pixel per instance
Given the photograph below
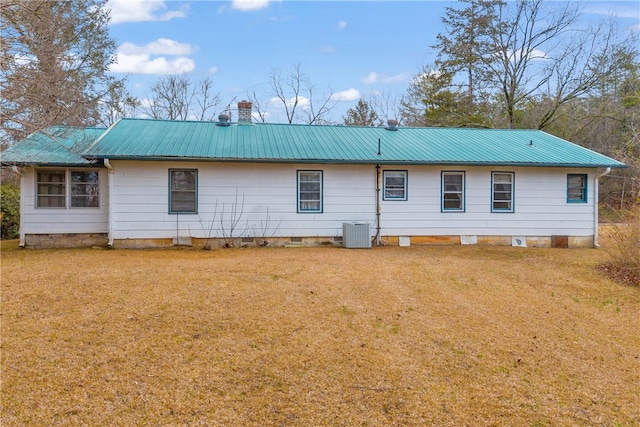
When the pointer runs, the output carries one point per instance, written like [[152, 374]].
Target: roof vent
[[223, 120], [392, 124]]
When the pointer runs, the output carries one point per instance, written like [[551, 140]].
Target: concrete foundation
[[100, 239], [44, 241]]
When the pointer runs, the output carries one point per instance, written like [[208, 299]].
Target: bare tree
[[523, 32], [297, 96], [116, 104], [54, 59], [176, 97], [387, 107], [206, 100], [259, 107], [288, 92], [172, 97], [580, 66]]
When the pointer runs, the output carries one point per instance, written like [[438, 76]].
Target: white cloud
[[424, 76], [627, 10], [534, 54], [374, 77], [346, 95], [161, 46], [249, 5], [327, 49], [303, 103], [142, 10], [342, 25], [213, 70], [152, 58], [144, 64]]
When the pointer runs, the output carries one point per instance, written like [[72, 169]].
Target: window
[[395, 185], [309, 191], [63, 188], [576, 188], [453, 191], [51, 189], [183, 197], [502, 194], [85, 189]]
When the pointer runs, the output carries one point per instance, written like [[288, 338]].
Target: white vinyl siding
[[68, 218], [539, 200], [267, 195]]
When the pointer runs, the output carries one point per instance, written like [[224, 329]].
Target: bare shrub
[[624, 249]]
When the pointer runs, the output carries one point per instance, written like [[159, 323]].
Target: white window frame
[[392, 191], [68, 187], [57, 195], [445, 191], [511, 191], [306, 201]]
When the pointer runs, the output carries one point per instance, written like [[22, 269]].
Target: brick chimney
[[244, 112]]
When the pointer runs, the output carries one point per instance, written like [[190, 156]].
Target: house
[[149, 183]]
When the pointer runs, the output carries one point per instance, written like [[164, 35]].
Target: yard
[[446, 336]]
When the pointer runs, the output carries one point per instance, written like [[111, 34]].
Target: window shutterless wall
[[536, 203], [83, 211]]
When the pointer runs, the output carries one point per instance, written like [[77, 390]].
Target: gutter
[[110, 199], [23, 197], [596, 181]]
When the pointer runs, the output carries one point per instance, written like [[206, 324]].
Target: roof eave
[[51, 164], [351, 161]]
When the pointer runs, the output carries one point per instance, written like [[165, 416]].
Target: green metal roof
[[162, 139], [55, 146], [144, 139]]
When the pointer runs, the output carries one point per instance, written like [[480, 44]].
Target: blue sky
[[349, 48]]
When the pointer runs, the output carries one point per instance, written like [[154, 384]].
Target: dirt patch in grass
[[446, 336]]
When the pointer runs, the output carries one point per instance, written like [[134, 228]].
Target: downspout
[[596, 181], [110, 202], [378, 237], [23, 197]]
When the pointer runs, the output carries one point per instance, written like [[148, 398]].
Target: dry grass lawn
[[419, 336]]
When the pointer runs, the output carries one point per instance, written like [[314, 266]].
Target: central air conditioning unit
[[356, 235]]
